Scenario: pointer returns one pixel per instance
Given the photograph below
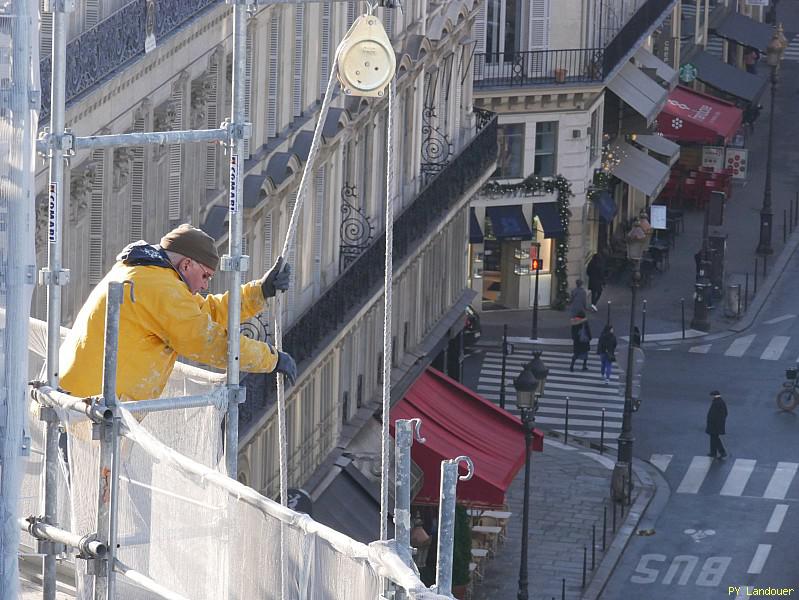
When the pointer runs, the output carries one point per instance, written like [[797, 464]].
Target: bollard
[[593, 546], [504, 359], [682, 312], [754, 292], [604, 525], [566, 424], [602, 433], [608, 312], [746, 294], [643, 323], [765, 266], [563, 589], [446, 520]]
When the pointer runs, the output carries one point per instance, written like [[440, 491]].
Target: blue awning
[[549, 215], [475, 233], [606, 205], [508, 222]]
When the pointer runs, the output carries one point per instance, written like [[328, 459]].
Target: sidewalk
[[663, 295], [570, 489]]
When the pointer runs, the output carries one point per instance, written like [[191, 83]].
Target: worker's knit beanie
[[192, 243]]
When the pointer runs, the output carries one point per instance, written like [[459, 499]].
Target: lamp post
[[774, 52], [636, 244], [529, 386]]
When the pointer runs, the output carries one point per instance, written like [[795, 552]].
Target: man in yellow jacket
[[168, 319]]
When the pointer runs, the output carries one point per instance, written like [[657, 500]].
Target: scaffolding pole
[[405, 431], [54, 276], [234, 261], [105, 582], [446, 520]]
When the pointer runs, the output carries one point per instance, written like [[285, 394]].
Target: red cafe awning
[[689, 116], [456, 421]]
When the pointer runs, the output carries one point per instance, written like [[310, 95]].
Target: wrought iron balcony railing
[[580, 65], [537, 67], [364, 276], [114, 42]]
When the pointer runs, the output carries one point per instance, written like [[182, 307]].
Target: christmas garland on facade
[[535, 184]]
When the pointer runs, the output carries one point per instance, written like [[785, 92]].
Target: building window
[[503, 29], [545, 148], [510, 159]]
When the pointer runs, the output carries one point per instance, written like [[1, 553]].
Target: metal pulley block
[[366, 61]]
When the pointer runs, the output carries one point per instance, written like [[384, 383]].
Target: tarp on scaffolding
[[18, 119]]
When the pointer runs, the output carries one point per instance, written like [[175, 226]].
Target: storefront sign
[[757, 2], [657, 216], [713, 157], [738, 160], [687, 73]]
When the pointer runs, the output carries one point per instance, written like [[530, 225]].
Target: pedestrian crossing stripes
[[734, 478], [760, 346], [591, 401], [792, 51]]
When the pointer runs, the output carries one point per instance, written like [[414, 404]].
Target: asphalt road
[[733, 523]]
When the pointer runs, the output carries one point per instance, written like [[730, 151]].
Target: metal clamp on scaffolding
[[234, 263], [48, 141], [405, 432], [446, 519], [58, 539]]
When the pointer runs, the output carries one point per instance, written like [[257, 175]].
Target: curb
[[648, 491], [764, 292]]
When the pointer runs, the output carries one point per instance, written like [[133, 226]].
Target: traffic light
[[535, 264]]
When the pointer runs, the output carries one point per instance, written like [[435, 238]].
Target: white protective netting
[[18, 118], [184, 524]]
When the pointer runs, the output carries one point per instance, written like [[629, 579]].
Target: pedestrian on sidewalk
[[606, 348], [596, 278], [751, 56], [716, 421], [581, 340], [578, 300]]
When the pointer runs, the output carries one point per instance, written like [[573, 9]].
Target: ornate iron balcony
[[364, 276], [537, 67], [116, 41]]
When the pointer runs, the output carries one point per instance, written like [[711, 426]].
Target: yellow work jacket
[[165, 321]]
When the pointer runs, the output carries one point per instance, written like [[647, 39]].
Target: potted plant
[[461, 553]]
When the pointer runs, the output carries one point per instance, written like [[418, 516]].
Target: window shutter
[[274, 76], [290, 304], [176, 156], [267, 255], [91, 13], [45, 32], [318, 216], [299, 42], [459, 78], [352, 8], [96, 219], [324, 62], [248, 61], [137, 187], [388, 21], [539, 25], [211, 158], [480, 28]]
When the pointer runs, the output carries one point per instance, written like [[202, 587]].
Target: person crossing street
[[716, 422]]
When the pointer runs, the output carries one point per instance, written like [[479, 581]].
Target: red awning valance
[[456, 421], [689, 116]]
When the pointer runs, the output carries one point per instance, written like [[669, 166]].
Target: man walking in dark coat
[[716, 420], [596, 278]]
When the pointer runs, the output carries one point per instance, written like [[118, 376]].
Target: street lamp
[[774, 52], [529, 386], [636, 245]]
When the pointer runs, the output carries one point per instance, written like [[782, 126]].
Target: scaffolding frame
[[56, 143]]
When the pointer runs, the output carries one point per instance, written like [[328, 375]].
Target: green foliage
[[462, 550], [537, 185]]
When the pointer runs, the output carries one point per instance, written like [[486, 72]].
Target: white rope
[[387, 296], [289, 241]]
